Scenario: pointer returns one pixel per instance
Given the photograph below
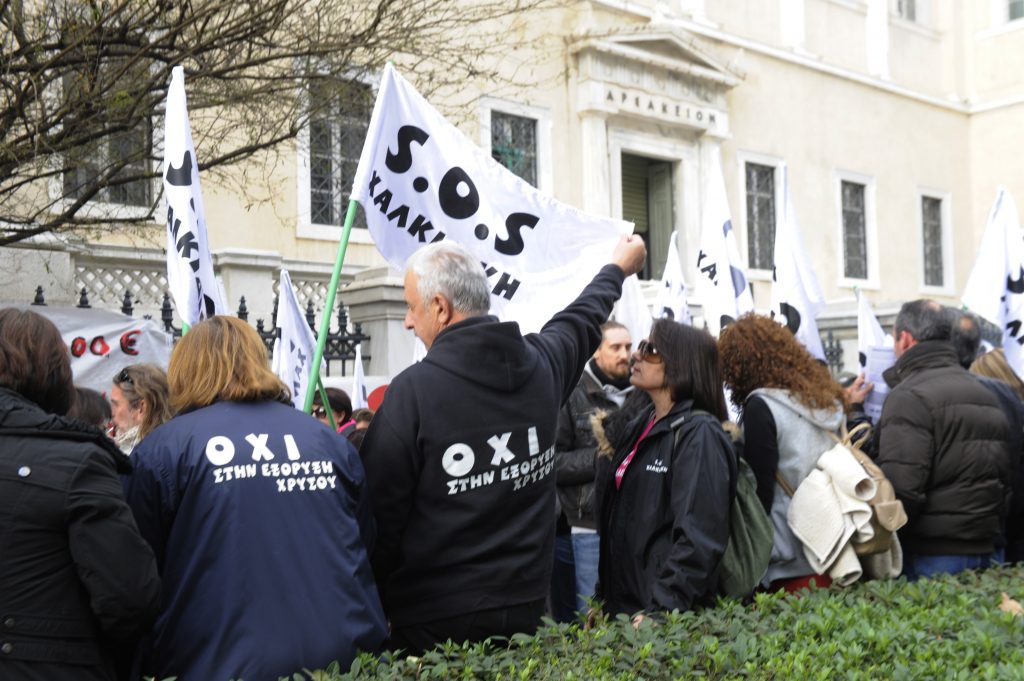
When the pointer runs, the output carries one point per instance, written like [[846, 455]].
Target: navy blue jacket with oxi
[[261, 526]]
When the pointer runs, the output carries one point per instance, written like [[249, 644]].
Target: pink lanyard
[[621, 470]]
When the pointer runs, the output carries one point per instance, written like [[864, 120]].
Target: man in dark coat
[[460, 456], [603, 387], [944, 443]]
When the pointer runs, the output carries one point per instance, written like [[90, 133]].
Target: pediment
[[661, 47], [660, 74]]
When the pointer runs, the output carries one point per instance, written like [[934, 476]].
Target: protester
[[791, 408], [460, 455], [944, 444], [668, 492], [362, 417], [604, 386], [259, 518], [78, 584], [341, 410], [966, 338], [139, 402], [90, 407]]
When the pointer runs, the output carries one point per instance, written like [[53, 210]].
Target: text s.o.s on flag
[[189, 265], [421, 180]]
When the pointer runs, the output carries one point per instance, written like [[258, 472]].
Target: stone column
[[375, 299], [251, 274], [596, 173]]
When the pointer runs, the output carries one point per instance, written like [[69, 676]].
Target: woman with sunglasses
[[664, 508], [139, 402]]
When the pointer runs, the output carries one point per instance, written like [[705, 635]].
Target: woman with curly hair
[[791, 406]]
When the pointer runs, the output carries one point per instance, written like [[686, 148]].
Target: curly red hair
[[758, 352]]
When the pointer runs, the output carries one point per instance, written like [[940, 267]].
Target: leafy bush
[[949, 628]]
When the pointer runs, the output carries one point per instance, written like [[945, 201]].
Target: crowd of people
[[198, 526]]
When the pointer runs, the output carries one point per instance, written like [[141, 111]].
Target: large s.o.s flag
[[421, 180]]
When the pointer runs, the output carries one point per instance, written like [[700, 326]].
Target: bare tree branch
[[77, 76]]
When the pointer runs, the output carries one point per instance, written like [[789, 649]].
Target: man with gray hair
[[943, 442], [460, 456]]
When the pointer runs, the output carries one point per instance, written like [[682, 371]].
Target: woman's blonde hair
[[222, 358], [146, 383], [994, 365]]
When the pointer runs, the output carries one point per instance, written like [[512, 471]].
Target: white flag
[[869, 332], [796, 296], [420, 180], [294, 350], [632, 312], [995, 289], [721, 282], [189, 265], [671, 301], [358, 393]]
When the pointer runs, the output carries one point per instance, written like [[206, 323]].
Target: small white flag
[[869, 332], [421, 180], [294, 350], [632, 312], [995, 289], [671, 301], [721, 282], [796, 296], [358, 393], [189, 265]]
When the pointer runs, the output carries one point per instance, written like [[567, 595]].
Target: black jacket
[[663, 533], [576, 451], [460, 462], [1014, 410], [943, 442], [78, 584]]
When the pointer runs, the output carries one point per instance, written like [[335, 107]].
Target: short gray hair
[[924, 319], [445, 268]]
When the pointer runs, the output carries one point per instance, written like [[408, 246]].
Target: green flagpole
[[325, 318], [326, 403]]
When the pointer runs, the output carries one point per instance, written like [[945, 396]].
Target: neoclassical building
[[896, 119]]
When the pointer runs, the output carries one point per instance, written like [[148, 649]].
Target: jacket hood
[[21, 416], [828, 419], [493, 355]]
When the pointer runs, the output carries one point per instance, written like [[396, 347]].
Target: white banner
[[102, 343], [869, 332], [294, 350], [796, 296], [721, 282], [420, 180], [995, 289], [671, 301], [189, 265], [358, 392], [632, 312]]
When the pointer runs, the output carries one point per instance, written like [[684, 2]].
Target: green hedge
[[946, 628]]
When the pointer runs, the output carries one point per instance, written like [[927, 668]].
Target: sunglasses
[[646, 351], [124, 377], [320, 413]]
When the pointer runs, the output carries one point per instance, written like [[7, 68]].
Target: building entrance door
[[647, 203]]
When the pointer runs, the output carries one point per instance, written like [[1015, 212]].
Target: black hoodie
[[460, 461]]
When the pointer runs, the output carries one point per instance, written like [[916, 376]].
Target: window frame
[[775, 162], [542, 117], [305, 228], [948, 287], [870, 230]]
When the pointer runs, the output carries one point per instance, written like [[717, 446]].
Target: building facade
[[895, 120]]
